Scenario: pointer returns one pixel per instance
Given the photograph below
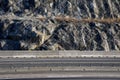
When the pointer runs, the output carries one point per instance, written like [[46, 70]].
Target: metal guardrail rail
[[56, 64], [57, 54]]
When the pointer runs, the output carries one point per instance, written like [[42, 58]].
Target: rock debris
[[85, 25]]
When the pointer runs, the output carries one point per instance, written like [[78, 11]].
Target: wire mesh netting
[[60, 25]]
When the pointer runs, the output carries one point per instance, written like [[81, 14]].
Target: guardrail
[[57, 54], [54, 64]]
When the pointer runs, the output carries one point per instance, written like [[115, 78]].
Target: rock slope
[[22, 29]]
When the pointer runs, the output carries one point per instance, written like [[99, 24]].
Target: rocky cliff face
[[20, 28]]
